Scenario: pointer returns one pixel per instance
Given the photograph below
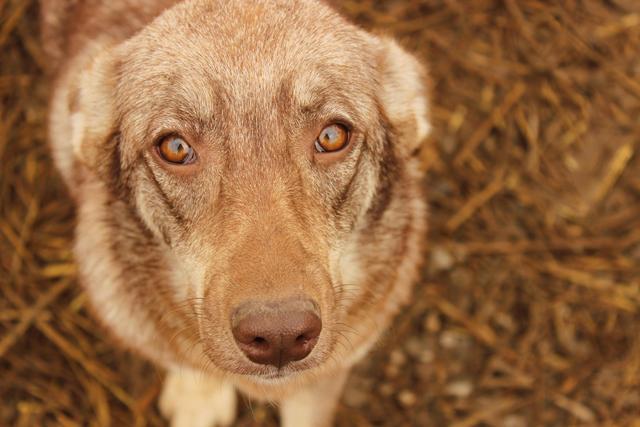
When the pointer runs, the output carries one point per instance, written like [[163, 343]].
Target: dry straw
[[528, 311]]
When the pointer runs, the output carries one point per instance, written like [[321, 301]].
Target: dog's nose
[[276, 333]]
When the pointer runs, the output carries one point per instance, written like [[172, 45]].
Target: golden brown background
[[528, 311]]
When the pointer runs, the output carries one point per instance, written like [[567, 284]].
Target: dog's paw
[[191, 399]]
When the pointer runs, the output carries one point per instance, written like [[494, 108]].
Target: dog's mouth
[[271, 375], [277, 374], [270, 372]]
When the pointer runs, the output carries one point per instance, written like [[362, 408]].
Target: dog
[[248, 188]]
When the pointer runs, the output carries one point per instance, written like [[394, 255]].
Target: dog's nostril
[[277, 335]]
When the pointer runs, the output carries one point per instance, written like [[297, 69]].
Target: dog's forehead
[[243, 66], [248, 48]]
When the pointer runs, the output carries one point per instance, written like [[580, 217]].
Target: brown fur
[[167, 252]]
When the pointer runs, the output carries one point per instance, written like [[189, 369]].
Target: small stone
[[391, 371], [454, 339], [432, 323], [441, 259], [426, 373], [460, 388], [420, 350], [447, 144], [355, 398], [427, 356], [386, 389], [398, 358], [414, 346], [514, 421], [407, 398], [504, 320]]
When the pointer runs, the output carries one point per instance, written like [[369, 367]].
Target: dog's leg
[[193, 399], [313, 406]]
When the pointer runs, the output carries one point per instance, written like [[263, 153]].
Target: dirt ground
[[528, 312]]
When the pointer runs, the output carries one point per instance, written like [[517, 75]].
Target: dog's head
[[265, 144]]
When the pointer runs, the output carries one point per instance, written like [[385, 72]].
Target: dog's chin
[[262, 373], [267, 374], [274, 377]]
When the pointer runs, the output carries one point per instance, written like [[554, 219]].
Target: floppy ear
[[404, 94], [92, 114]]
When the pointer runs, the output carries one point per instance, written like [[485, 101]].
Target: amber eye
[[332, 138], [174, 149]]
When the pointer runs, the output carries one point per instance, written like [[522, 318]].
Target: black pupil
[[331, 134], [177, 146]]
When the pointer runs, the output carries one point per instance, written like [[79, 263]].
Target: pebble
[[426, 373], [419, 350], [448, 144], [386, 389], [398, 358], [514, 421], [356, 398], [407, 398], [391, 371], [427, 356], [414, 346], [460, 388], [432, 323], [441, 259], [453, 339]]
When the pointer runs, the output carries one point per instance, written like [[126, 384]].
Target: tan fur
[[166, 253]]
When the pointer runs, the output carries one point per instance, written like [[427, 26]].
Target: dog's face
[[260, 143]]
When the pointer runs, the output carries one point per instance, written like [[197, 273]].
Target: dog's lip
[[279, 374], [267, 373], [273, 376]]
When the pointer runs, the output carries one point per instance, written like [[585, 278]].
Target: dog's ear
[[92, 114], [404, 94]]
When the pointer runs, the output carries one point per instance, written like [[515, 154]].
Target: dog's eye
[[174, 149], [332, 138]]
